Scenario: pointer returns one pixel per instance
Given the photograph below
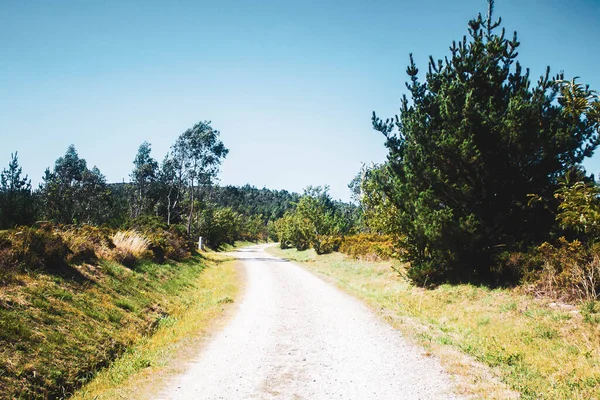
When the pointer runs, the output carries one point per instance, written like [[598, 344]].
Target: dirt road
[[294, 336]]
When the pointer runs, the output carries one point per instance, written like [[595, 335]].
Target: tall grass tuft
[[130, 246]]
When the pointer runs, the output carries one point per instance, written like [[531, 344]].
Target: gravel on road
[[294, 336]]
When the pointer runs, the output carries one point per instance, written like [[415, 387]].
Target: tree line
[[180, 191]]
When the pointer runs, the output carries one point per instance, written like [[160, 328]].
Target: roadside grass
[[58, 333], [538, 348], [139, 372]]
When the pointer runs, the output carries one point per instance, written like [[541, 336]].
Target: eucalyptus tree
[[197, 154], [170, 181], [143, 178]]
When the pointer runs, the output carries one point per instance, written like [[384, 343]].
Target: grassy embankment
[[57, 333], [539, 348]]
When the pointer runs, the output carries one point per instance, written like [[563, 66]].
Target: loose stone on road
[[294, 336]]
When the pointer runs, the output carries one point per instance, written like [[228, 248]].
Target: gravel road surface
[[295, 336]]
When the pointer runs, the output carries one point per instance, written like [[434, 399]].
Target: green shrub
[[293, 232], [590, 311], [570, 270], [327, 244], [316, 217], [168, 244], [87, 243], [38, 248], [369, 246], [55, 249], [272, 231], [511, 266], [220, 226]]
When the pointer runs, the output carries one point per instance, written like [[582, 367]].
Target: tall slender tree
[[199, 153], [143, 176], [171, 182]]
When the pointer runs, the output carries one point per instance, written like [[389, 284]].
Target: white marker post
[[200, 245]]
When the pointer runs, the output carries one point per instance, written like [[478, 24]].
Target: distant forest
[[181, 191]]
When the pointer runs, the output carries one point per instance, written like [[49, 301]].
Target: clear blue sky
[[290, 85]]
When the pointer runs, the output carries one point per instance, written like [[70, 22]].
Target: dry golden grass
[[131, 241], [539, 348], [129, 245], [145, 367]]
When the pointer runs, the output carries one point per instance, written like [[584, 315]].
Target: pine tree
[[16, 199], [72, 193], [474, 140]]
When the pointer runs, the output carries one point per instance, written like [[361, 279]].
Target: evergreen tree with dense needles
[[74, 194], [16, 199], [475, 138]]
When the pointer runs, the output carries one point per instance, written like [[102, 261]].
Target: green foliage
[[35, 249], [369, 246], [327, 244], [16, 200], [166, 242], [197, 154], [315, 219], [119, 199], [474, 140], [258, 208], [570, 270], [292, 232], [579, 208], [315, 210], [568, 267], [144, 174], [272, 231], [170, 189], [379, 214], [220, 226], [253, 228], [72, 193], [178, 193], [249, 201], [590, 311]]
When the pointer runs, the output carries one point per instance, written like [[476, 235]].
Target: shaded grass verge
[[536, 347], [145, 366], [57, 334]]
